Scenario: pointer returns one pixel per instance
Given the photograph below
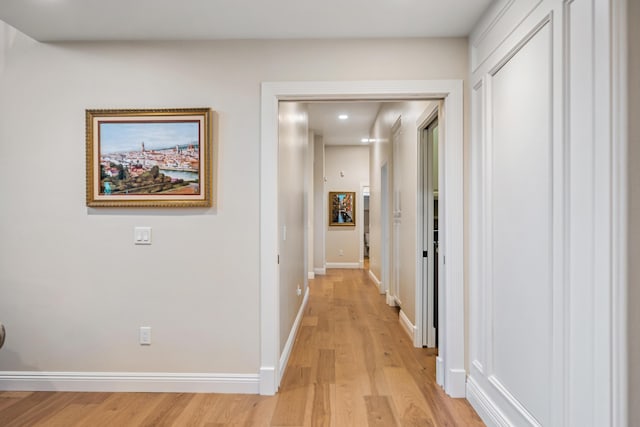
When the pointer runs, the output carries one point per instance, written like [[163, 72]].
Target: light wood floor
[[352, 365]]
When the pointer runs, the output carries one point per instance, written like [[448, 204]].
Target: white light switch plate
[[145, 335], [142, 235]]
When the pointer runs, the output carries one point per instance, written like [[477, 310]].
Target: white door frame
[[363, 186], [451, 372], [393, 288], [384, 229], [425, 332]]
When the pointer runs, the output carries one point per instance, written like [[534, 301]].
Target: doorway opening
[[450, 369], [365, 225], [429, 197], [384, 217]]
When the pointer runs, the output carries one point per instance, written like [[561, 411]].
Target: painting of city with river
[[159, 158]]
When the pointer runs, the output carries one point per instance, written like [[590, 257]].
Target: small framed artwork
[[342, 208], [149, 158]]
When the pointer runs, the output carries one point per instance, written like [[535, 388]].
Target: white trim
[[385, 228], [375, 281], [129, 382], [619, 226], [486, 408], [269, 273], [268, 383], [408, 327], [513, 403], [320, 271], [452, 337], [390, 299], [456, 380], [440, 371], [343, 265], [360, 215], [288, 346], [422, 306], [311, 275]]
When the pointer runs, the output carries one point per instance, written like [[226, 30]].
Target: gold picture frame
[[150, 158], [342, 208]]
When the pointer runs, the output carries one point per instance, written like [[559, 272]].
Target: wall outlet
[[145, 335], [299, 291], [340, 252]]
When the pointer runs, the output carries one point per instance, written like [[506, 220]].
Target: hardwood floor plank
[[322, 405], [198, 411], [119, 408], [79, 407], [310, 321], [411, 407], [379, 412], [70, 415], [303, 353], [326, 372], [24, 407], [292, 398], [167, 410], [263, 408], [49, 406], [8, 398]]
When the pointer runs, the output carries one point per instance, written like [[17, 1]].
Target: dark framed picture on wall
[[150, 158], [342, 208]]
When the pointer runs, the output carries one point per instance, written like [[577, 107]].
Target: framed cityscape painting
[[149, 158], [342, 208]]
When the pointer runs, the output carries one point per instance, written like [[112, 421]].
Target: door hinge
[[424, 254]]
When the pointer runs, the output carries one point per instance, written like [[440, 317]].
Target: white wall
[[73, 287], [293, 134], [406, 169], [542, 211], [310, 197], [5, 35], [319, 205], [634, 212], [353, 163]]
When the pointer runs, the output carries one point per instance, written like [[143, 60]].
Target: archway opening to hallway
[[372, 150], [450, 367]]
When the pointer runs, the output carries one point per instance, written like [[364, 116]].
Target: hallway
[[352, 365]]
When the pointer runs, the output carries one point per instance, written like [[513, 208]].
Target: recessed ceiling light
[[343, 116], [366, 140]]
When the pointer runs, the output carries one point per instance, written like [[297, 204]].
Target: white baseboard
[[408, 327], [391, 300], [361, 264], [320, 271], [343, 265], [440, 371], [456, 382], [375, 281], [286, 352], [268, 386], [129, 382], [311, 275], [484, 406]]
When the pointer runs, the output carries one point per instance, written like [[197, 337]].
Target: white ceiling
[[323, 120], [93, 20]]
